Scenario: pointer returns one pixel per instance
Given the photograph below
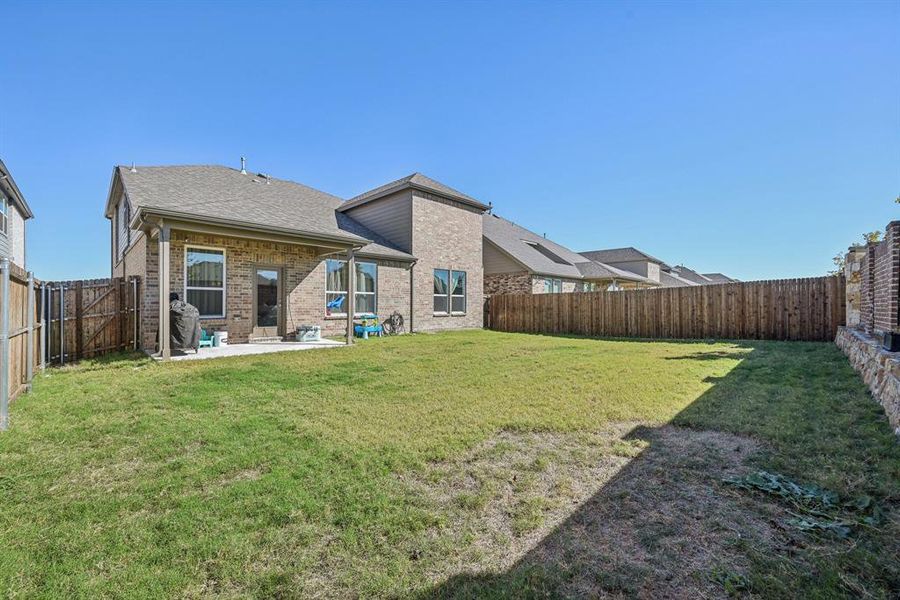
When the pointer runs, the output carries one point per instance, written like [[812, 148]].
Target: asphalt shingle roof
[[414, 180], [541, 255], [719, 278], [224, 193], [620, 255], [690, 275], [670, 280]]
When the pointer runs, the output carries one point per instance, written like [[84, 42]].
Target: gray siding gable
[[390, 217]]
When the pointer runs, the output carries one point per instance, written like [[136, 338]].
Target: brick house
[[261, 256], [659, 273], [519, 261]]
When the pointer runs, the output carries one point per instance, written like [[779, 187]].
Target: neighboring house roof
[[540, 255], [227, 196], [415, 181], [719, 278], [668, 279], [620, 255], [691, 275], [8, 184], [596, 270]]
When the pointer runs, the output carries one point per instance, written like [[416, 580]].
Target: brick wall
[[507, 283], [568, 285], [887, 280], [303, 283], [446, 235], [879, 283]]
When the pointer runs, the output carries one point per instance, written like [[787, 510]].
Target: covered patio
[[249, 348]]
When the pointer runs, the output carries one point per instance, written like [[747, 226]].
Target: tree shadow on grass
[[666, 526], [704, 356]]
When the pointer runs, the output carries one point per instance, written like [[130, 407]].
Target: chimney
[[243, 166], [133, 169]]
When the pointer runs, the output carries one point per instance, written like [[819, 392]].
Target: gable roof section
[[545, 257], [719, 278], [691, 275], [8, 185], [225, 195], [620, 255], [596, 270], [416, 181], [668, 279]]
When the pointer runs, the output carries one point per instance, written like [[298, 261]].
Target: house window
[[4, 214], [449, 292], [123, 232], [366, 292], [204, 280], [552, 286]]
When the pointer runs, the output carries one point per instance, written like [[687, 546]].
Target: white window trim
[[336, 315], [450, 295], [120, 248], [223, 289], [441, 313], [464, 295], [4, 225]]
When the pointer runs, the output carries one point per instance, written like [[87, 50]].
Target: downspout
[[412, 296]]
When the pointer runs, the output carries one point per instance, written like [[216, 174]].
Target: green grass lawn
[[388, 469]]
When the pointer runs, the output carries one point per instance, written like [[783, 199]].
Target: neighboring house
[[261, 256], [633, 261], [519, 261], [641, 263], [14, 211], [719, 278]]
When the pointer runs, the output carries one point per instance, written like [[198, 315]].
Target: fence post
[[43, 326], [4, 344], [62, 324], [134, 310], [29, 341], [79, 320]]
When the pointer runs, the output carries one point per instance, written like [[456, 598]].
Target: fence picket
[[785, 309]]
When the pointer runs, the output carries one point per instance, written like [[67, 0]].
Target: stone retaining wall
[[879, 369]]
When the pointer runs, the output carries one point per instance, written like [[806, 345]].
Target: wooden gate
[[91, 317]]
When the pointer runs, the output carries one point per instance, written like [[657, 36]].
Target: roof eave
[[143, 213], [406, 258], [412, 186], [15, 192]]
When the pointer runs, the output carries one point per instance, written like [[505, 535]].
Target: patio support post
[[351, 293], [165, 351]]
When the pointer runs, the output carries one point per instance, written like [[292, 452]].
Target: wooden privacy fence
[[90, 317], [783, 309], [20, 329]]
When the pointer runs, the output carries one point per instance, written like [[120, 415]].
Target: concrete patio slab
[[247, 349]]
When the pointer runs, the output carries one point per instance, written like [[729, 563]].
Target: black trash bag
[[184, 325]]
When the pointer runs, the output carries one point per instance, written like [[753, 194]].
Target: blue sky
[[756, 139]]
